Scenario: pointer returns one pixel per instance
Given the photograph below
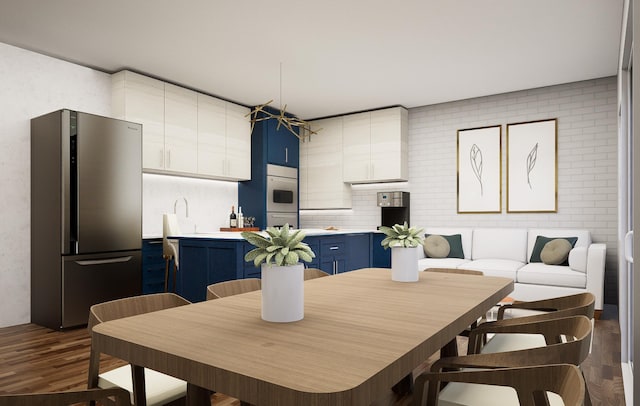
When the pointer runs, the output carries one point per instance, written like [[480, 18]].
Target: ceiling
[[329, 57]]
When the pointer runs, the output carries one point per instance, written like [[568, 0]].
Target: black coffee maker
[[394, 207]]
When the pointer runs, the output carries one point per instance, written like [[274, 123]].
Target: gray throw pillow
[[556, 251], [436, 246]]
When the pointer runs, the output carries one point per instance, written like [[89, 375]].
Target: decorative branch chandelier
[[290, 122]]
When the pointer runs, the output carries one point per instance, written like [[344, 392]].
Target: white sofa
[[506, 252]]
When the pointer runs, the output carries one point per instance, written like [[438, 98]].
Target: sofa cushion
[[584, 237], [500, 243], [426, 263], [436, 246], [554, 275], [495, 267], [578, 259], [540, 243], [556, 251], [454, 242], [465, 236]]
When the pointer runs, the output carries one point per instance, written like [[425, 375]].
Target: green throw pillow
[[541, 241], [455, 245]]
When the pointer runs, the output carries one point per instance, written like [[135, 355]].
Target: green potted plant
[[279, 253], [404, 242]]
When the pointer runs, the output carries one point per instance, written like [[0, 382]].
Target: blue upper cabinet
[[282, 145], [269, 145]]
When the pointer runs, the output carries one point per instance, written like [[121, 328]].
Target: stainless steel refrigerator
[[86, 215]]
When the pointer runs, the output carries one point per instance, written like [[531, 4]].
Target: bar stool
[[170, 247]]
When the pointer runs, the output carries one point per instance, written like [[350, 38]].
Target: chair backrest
[[126, 307], [530, 383], [121, 397], [455, 270], [132, 306], [568, 342], [580, 304], [169, 227], [234, 287], [312, 273]]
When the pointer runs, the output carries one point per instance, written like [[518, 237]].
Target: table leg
[[405, 386], [139, 391], [197, 396]]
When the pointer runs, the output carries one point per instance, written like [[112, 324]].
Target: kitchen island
[[212, 257]]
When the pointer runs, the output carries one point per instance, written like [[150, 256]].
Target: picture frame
[[479, 182], [532, 167]]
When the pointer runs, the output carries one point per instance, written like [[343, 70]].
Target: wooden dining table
[[361, 334]]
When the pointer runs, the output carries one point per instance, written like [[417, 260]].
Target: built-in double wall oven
[[282, 196]]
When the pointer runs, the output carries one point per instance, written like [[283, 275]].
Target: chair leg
[[166, 273], [175, 271]]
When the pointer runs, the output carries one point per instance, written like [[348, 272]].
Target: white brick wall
[[587, 165]]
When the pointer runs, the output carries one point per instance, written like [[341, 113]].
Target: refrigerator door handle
[[104, 261]]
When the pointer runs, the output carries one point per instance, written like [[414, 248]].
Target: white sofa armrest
[[596, 256], [578, 259]]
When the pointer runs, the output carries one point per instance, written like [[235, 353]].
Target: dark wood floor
[[36, 359]]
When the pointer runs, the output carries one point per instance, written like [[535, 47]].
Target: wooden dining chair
[[233, 287], [581, 304], [119, 395], [571, 305], [572, 349], [160, 389], [527, 386], [230, 288], [312, 273]]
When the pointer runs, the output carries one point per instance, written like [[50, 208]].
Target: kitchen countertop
[[233, 235]]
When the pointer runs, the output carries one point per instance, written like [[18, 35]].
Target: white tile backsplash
[[209, 203]]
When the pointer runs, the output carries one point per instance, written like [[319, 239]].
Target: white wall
[[31, 85], [587, 165]]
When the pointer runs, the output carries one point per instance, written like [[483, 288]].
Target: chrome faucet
[[186, 205]]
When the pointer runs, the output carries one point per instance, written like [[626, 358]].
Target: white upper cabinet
[[375, 146], [238, 142], [180, 129], [224, 139], [184, 132], [212, 135], [321, 184], [140, 99]]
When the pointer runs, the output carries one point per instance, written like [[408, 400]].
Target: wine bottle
[[240, 217], [233, 219]]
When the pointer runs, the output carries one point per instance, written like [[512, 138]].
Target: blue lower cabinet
[[249, 269], [359, 251], [341, 253], [203, 262], [153, 266], [333, 254], [380, 258]]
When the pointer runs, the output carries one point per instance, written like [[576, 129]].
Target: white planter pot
[[404, 264], [282, 293]]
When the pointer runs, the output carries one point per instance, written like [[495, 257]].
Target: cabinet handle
[[333, 248], [286, 154]]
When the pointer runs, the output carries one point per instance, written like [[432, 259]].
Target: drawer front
[[332, 248]]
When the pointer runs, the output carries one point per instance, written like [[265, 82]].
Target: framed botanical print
[[480, 170], [532, 166]]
